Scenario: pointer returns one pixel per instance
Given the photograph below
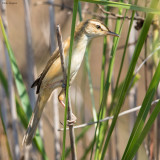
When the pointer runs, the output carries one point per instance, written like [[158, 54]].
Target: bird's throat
[[78, 52]]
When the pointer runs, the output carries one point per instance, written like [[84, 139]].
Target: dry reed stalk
[[16, 149], [29, 54], [30, 68], [3, 109], [55, 93], [133, 90], [71, 129]]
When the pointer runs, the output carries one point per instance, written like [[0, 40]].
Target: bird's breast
[[77, 56]]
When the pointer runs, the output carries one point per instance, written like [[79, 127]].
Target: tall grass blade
[[142, 113], [75, 7], [26, 107], [5, 133], [17, 76], [90, 83], [127, 6], [145, 131], [101, 129], [122, 61], [128, 78]]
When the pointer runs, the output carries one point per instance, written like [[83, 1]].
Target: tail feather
[[36, 115], [32, 126], [37, 83]]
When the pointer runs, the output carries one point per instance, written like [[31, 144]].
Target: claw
[[72, 121], [61, 97]]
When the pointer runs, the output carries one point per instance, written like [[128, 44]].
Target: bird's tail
[[36, 115]]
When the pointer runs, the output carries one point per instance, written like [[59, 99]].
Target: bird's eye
[[98, 26]]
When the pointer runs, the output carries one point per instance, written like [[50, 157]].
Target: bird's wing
[[52, 59]]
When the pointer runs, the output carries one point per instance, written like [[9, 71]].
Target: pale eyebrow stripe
[[98, 23], [93, 22]]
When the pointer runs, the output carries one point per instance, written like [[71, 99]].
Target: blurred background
[[30, 26]]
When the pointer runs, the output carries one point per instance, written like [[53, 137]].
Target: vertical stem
[[57, 147], [90, 84], [29, 53], [116, 144], [30, 64], [71, 130], [11, 91], [52, 27], [3, 111], [155, 58], [145, 67], [102, 110], [67, 89], [55, 93], [133, 91]]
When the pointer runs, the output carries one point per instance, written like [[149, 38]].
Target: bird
[[52, 76]]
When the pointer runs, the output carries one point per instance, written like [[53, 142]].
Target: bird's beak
[[112, 34]]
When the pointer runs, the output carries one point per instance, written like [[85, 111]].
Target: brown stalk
[[117, 15], [29, 53], [71, 129], [12, 105], [55, 93]]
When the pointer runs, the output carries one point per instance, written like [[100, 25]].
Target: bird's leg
[[61, 98]]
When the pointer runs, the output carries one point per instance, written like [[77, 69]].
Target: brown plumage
[[52, 76]]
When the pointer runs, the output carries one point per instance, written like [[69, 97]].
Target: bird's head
[[95, 28]]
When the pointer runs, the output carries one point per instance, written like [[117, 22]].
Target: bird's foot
[[72, 121]]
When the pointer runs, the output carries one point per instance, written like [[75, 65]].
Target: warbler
[[52, 75]]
